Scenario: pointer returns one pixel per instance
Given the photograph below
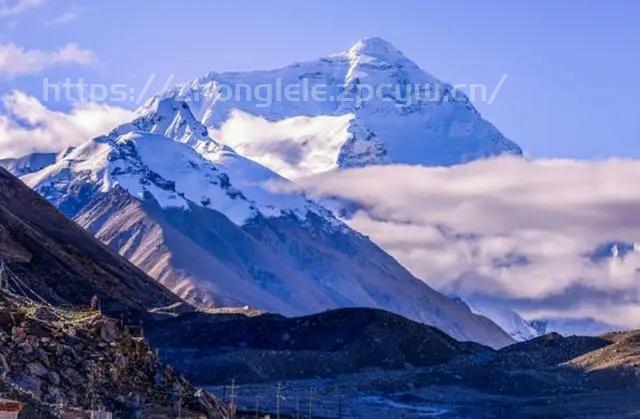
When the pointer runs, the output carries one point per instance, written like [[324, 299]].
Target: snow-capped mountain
[[367, 105], [29, 163], [509, 320], [522, 329], [202, 220], [579, 326]]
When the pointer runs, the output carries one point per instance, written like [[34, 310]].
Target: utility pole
[[92, 393], [310, 397], [298, 405], [179, 412], [4, 281], [278, 401], [233, 398], [257, 405]]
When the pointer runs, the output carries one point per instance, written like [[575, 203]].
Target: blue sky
[[572, 67]]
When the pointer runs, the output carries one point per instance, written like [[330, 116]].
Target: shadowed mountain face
[[62, 263]]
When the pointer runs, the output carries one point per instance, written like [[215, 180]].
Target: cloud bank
[[10, 8], [16, 60], [27, 126], [541, 237]]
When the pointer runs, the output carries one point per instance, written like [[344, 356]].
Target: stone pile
[[80, 362]]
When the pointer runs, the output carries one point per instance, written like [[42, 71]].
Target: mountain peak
[[171, 118], [374, 47], [385, 109]]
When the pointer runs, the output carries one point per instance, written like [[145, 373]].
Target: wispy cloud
[[28, 126], [10, 8], [16, 60], [62, 19], [519, 232]]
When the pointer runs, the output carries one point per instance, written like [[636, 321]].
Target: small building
[[77, 413], [10, 409], [101, 414], [135, 331]]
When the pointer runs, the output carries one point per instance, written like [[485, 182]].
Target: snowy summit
[[377, 107]]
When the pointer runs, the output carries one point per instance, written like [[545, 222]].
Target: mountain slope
[[616, 365], [62, 263], [199, 218], [367, 105], [209, 348]]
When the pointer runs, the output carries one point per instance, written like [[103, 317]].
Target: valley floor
[[366, 396]]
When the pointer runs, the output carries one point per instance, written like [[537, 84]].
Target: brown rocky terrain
[[616, 365], [58, 361]]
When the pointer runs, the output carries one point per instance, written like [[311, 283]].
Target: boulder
[[107, 330], [52, 377], [30, 383], [9, 319], [37, 369], [25, 348], [4, 366]]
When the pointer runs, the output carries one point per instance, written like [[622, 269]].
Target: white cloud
[[515, 231], [15, 7], [28, 126], [292, 147], [15, 60], [63, 18]]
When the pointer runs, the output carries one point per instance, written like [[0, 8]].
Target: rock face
[[378, 107], [205, 222], [62, 263], [69, 361]]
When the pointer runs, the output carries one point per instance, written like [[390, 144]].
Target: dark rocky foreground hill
[[214, 348], [371, 363]]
